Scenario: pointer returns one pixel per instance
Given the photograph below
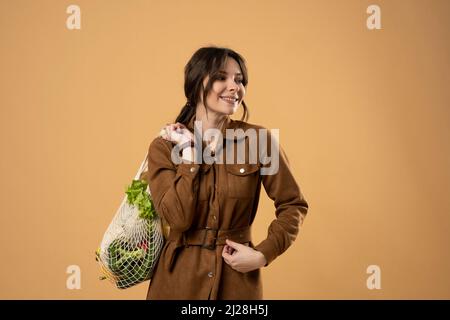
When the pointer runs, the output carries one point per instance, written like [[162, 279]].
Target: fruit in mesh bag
[[129, 264], [126, 265], [131, 257]]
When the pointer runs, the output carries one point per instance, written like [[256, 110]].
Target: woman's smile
[[229, 99]]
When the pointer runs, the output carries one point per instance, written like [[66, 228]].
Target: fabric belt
[[207, 238]]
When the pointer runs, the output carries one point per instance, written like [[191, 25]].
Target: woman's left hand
[[242, 258], [177, 133]]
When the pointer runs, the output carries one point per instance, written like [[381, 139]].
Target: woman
[[210, 206]]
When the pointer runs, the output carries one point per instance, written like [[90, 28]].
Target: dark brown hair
[[207, 61]]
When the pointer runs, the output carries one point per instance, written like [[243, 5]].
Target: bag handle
[[142, 167], [138, 175]]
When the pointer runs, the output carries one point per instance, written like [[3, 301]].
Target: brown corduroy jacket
[[206, 203]]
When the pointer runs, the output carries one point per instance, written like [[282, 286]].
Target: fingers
[[163, 133], [229, 249], [172, 127], [242, 258], [168, 132], [236, 246], [177, 126], [175, 132], [226, 255]]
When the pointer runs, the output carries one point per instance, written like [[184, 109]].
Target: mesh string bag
[[134, 239]]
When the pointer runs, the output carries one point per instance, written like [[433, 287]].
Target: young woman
[[210, 207]]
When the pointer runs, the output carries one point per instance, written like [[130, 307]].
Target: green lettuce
[[138, 196]]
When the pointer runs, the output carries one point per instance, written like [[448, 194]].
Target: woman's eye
[[221, 78]]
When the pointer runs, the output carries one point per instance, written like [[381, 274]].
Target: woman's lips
[[229, 100]]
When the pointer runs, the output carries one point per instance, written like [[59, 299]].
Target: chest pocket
[[242, 180]]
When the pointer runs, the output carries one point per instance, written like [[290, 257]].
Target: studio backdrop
[[358, 89]]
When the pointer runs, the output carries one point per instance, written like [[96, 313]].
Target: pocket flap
[[242, 169]]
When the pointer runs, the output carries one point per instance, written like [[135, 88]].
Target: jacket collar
[[228, 124]]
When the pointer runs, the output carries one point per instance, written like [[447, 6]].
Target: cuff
[[266, 248]]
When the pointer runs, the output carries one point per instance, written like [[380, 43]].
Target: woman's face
[[228, 91]]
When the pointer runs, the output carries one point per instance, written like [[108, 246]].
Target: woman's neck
[[213, 120]]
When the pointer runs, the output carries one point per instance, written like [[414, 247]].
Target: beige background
[[363, 115]]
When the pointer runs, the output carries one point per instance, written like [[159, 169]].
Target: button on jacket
[[206, 203]]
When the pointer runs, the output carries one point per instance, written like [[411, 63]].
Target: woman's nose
[[232, 86]]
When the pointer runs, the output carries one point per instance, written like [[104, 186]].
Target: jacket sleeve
[[173, 188], [290, 209]]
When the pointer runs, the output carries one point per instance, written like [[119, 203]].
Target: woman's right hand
[[177, 133]]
